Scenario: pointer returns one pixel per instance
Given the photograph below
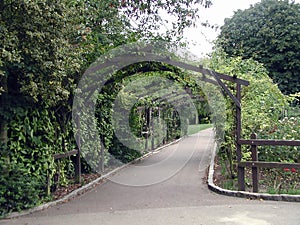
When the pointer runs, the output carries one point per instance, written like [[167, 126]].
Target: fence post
[[147, 128], [48, 188], [77, 161], [152, 130], [254, 155], [241, 170], [102, 161]]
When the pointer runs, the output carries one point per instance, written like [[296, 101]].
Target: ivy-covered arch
[[101, 72]]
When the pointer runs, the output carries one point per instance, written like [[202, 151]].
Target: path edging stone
[[244, 194]]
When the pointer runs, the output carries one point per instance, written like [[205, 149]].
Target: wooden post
[[166, 127], [147, 127], [102, 154], [187, 126], [78, 162], [48, 183], [241, 170], [160, 128], [254, 155], [152, 130]]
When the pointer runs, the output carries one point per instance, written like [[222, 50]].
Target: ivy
[[134, 89], [45, 46]]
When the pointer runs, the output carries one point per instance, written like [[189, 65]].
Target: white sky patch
[[202, 38]]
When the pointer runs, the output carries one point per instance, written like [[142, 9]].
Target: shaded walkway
[[180, 197]]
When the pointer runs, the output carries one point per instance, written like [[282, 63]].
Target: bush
[[18, 190], [26, 160], [286, 129], [263, 104]]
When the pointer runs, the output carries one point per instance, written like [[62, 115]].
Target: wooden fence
[[59, 156], [255, 164]]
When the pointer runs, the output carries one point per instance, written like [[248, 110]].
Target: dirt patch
[[62, 191]]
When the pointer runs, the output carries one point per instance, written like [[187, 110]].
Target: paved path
[[165, 188]]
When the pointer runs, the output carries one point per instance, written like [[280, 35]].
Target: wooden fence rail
[[255, 164], [65, 155], [59, 156]]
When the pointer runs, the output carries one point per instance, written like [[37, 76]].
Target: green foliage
[[266, 112], [101, 27], [261, 98], [134, 90], [18, 190], [269, 33], [263, 104], [281, 181], [38, 65], [26, 160], [287, 128], [37, 59], [34, 135], [44, 48]]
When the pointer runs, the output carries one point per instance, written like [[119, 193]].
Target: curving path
[[166, 188]]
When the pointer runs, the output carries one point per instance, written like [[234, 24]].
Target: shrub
[[18, 190], [263, 104]]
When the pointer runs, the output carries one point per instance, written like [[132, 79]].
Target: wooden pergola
[[146, 55]]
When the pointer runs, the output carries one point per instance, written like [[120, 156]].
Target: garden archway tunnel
[[100, 72]]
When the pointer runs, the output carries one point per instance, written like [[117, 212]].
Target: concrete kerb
[[244, 194], [86, 187]]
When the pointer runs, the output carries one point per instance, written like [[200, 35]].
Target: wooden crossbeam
[[269, 164], [65, 155], [262, 142]]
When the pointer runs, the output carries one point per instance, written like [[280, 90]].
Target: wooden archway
[[100, 72], [146, 54]]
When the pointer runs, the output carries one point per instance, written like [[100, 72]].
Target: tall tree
[[268, 32], [37, 58], [113, 22], [148, 15]]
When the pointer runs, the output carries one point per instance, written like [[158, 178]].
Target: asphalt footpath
[[168, 187]]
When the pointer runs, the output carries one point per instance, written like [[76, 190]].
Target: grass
[[289, 192], [193, 129], [229, 184]]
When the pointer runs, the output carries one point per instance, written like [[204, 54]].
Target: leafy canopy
[[36, 56]]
